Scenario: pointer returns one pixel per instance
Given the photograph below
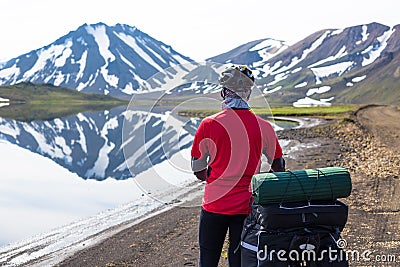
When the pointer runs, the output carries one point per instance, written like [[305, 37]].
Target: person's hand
[[201, 175], [278, 165]]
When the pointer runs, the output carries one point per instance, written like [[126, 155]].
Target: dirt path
[[384, 123], [372, 155], [366, 144]]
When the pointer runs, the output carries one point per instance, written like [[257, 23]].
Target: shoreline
[[50, 248]]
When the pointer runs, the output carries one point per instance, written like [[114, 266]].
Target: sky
[[197, 29]]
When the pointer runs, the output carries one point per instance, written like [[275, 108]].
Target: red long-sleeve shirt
[[234, 140]]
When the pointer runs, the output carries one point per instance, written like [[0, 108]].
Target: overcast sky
[[198, 29]]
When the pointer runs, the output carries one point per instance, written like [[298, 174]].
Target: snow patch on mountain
[[326, 71], [319, 90], [279, 77], [303, 84], [336, 32], [129, 40], [296, 70], [358, 79], [342, 52], [266, 91], [266, 51], [101, 38], [11, 73], [364, 35], [374, 51]]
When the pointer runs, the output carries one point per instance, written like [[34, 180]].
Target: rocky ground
[[365, 142]]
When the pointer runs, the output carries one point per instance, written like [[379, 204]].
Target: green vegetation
[[326, 112], [30, 102], [308, 111]]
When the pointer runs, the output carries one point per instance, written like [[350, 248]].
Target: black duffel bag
[[292, 226], [264, 249], [293, 248], [299, 215]]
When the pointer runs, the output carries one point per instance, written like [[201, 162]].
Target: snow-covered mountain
[[357, 64], [91, 145], [97, 58]]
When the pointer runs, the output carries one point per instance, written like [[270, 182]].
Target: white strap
[[249, 246]]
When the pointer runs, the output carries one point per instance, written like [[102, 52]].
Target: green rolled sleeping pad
[[328, 183]]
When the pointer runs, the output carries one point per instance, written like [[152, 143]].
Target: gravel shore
[[364, 142]]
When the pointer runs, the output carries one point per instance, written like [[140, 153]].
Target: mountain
[[96, 58], [357, 64], [255, 53]]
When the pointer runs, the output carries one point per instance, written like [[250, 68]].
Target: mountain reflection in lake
[[90, 144], [50, 171]]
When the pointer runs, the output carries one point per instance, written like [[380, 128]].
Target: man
[[226, 153]]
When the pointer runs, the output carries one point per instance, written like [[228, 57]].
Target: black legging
[[212, 231]]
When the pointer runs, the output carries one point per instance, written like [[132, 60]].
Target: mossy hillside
[[30, 102]]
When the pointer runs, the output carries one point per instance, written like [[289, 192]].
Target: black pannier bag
[[291, 249], [249, 241], [296, 226]]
